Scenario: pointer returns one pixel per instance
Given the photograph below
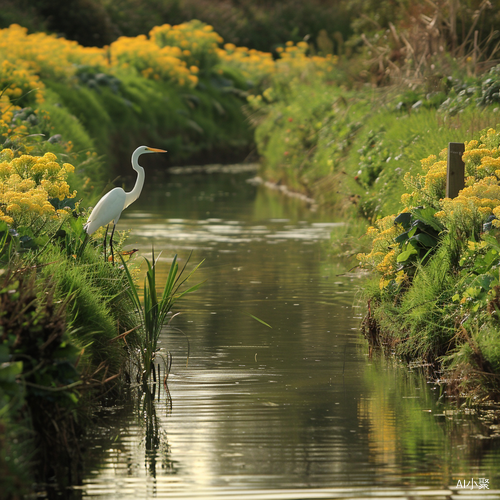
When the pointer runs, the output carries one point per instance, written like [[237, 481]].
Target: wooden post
[[455, 175]]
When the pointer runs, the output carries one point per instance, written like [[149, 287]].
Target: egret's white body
[[109, 208], [111, 205]]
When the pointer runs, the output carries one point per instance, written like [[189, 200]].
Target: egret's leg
[[111, 245], [104, 242]]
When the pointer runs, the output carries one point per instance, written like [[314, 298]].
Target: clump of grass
[[96, 305], [424, 318], [153, 312]]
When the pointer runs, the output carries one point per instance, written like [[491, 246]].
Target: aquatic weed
[[153, 311]]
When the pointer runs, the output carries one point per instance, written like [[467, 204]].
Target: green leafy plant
[[420, 238], [153, 311], [480, 279]]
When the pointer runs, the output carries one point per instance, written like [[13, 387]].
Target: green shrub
[[83, 104]]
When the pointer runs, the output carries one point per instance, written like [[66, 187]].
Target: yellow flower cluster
[[294, 62], [482, 190], [474, 204], [152, 61], [27, 183], [481, 161], [28, 59], [481, 195], [475, 151], [7, 128], [198, 42], [253, 64], [18, 80], [382, 256], [479, 199], [48, 55], [429, 188], [171, 53]]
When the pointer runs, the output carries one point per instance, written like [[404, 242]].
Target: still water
[[278, 398]]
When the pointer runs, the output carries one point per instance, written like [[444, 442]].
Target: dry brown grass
[[427, 44]]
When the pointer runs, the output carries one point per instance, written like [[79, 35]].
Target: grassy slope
[[190, 124], [352, 150], [342, 146]]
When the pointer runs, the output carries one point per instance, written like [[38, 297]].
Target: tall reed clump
[[154, 310], [436, 287]]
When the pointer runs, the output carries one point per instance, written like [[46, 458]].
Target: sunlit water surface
[[293, 410]]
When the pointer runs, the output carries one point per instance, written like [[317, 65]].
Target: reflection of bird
[[111, 205]]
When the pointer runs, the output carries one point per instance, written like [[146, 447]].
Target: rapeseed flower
[[28, 183], [475, 203]]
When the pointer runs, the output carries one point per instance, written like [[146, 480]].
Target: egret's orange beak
[[155, 150]]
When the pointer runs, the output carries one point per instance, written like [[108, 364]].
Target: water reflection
[[291, 411], [414, 436]]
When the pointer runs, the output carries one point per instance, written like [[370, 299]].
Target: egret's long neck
[[139, 183]]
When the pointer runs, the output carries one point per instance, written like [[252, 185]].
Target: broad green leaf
[[426, 240], [427, 216], [425, 228], [484, 281], [412, 231], [401, 238], [404, 256], [492, 241], [404, 219]]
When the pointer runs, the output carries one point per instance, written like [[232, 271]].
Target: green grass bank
[[377, 156]]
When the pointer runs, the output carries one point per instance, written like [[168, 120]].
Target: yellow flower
[[383, 283], [28, 184], [13, 207], [6, 218]]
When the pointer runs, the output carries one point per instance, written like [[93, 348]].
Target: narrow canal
[[288, 407]]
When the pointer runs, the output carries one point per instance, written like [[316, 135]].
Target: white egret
[[110, 207]]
